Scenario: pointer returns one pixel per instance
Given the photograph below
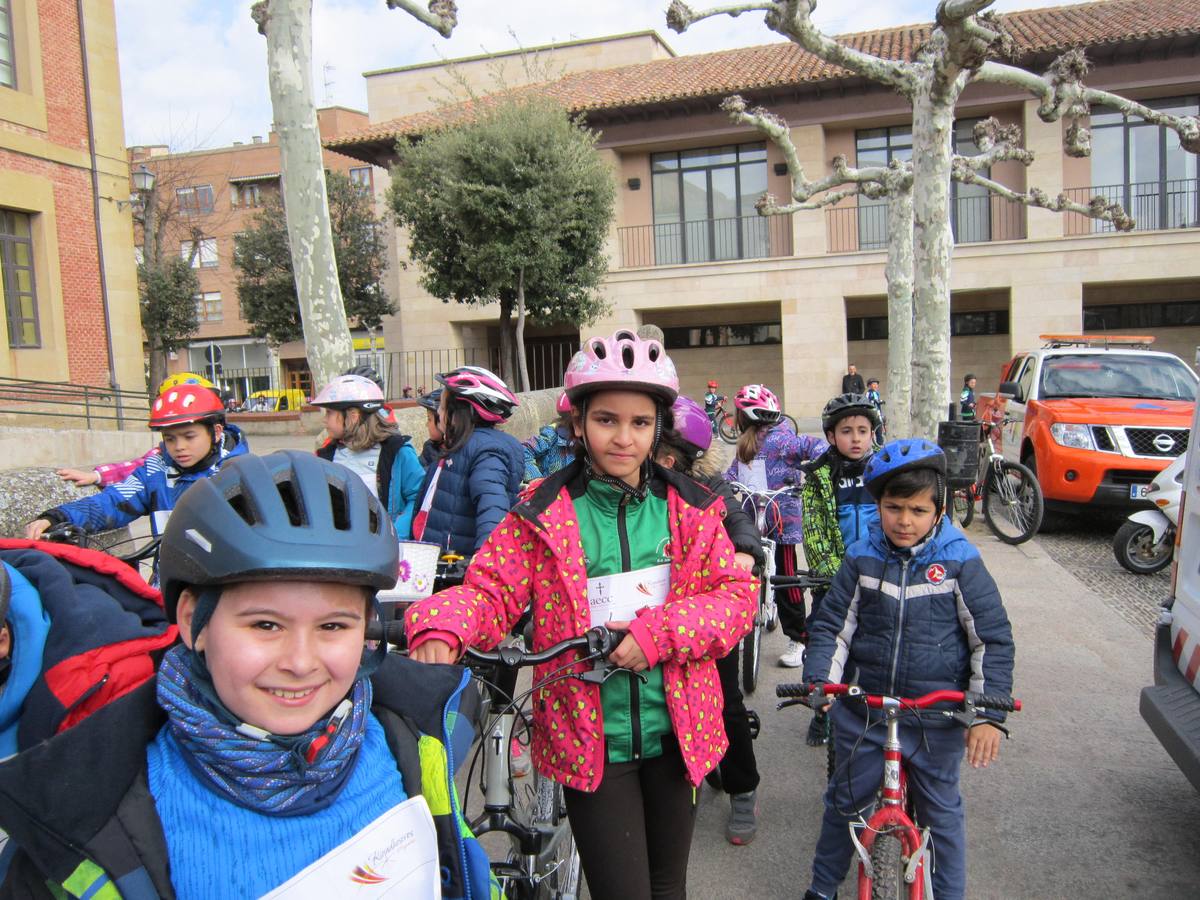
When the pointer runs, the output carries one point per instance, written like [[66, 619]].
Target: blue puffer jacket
[[912, 621], [477, 488], [154, 487]]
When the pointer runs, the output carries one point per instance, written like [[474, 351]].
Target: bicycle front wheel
[[558, 866], [1012, 502], [887, 867], [727, 429], [752, 655], [964, 506]]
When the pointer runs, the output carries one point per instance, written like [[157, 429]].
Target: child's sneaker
[[518, 762], [743, 818], [793, 656]]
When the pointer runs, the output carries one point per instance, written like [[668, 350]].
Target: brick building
[[210, 196], [790, 301], [66, 239]]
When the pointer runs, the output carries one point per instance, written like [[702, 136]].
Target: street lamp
[[143, 180]]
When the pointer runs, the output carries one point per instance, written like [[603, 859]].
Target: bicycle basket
[[415, 573]]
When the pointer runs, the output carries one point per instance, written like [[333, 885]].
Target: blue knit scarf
[[266, 775]]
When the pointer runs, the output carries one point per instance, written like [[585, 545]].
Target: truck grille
[[1157, 442], [1103, 439]]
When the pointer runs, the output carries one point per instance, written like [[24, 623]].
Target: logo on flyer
[[935, 574]]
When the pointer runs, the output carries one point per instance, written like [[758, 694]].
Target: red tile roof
[[782, 64]]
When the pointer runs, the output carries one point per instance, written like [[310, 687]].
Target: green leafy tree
[[167, 294], [265, 283], [511, 208]]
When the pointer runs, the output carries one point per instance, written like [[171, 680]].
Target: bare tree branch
[[1097, 208], [680, 15], [441, 16]]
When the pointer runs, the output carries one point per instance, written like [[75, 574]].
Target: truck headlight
[[1077, 436]]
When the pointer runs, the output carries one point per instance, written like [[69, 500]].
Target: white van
[[1172, 706]]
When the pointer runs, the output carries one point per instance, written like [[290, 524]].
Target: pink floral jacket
[[536, 554]]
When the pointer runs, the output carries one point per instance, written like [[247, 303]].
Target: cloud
[[194, 73]]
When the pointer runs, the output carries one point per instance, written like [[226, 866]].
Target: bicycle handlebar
[[877, 701], [598, 641], [804, 582]]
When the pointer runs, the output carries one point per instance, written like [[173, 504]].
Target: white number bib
[[618, 597], [394, 856]]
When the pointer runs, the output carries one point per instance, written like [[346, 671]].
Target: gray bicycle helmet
[[846, 405], [367, 372], [285, 516], [431, 400]]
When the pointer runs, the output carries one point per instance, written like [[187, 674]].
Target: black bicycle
[[141, 555]]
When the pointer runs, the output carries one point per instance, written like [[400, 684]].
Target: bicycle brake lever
[[793, 701]]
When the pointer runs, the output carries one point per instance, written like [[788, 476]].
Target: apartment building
[[790, 301], [67, 272], [207, 197]]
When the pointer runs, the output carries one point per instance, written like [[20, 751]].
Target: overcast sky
[[193, 72]]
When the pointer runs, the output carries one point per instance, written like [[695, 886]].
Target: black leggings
[[634, 832], [739, 769], [789, 601]]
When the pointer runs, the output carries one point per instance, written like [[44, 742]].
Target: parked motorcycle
[[1145, 543]]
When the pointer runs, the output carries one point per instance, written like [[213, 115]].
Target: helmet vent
[[599, 349], [291, 502], [373, 521], [627, 357], [339, 504], [242, 507]]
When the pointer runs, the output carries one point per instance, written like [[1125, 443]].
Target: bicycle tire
[[1012, 503], [727, 428], [964, 506], [887, 865], [751, 650], [562, 872]]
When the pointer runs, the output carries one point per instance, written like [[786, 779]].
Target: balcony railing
[[973, 220], [705, 240], [1154, 205]]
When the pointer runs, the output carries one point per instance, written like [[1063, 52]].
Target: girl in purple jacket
[[768, 457]]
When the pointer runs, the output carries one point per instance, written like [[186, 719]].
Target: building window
[[16, 275], [878, 147], [8, 70], [723, 336], [1142, 167], [205, 257], [208, 306], [1121, 316], [195, 200], [245, 195], [362, 177], [704, 204], [962, 324]]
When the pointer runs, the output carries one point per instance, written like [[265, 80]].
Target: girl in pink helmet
[[474, 481], [630, 752], [769, 457]]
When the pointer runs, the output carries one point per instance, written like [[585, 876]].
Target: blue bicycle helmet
[[431, 400], [285, 516], [899, 456]]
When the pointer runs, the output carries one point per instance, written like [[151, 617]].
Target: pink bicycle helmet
[[758, 402], [692, 425], [485, 391], [563, 404], [620, 363], [350, 392]]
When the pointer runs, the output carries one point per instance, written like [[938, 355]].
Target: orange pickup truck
[[1096, 417]]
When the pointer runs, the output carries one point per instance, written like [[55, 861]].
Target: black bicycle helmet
[[431, 400], [900, 456], [287, 515], [846, 405], [367, 372]]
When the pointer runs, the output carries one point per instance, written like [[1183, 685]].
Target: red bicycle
[[892, 847]]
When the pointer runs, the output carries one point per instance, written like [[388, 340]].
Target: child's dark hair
[[460, 422], [672, 443], [911, 482]]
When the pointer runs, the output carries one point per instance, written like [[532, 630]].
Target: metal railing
[[1154, 205], [75, 405], [974, 219], [705, 240], [546, 360]]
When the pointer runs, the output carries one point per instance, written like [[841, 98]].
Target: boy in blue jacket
[[196, 442], [914, 610]]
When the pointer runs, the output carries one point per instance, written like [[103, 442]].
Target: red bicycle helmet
[[186, 403], [759, 403]]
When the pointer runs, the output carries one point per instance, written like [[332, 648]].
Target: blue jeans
[[933, 766]]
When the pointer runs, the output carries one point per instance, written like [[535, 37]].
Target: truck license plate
[[1138, 491]]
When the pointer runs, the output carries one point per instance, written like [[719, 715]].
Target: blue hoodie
[[29, 626]]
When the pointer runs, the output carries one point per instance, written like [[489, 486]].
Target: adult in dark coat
[[852, 382]]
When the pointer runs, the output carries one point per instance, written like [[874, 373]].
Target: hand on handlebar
[[983, 744], [35, 529], [628, 654], [435, 651]]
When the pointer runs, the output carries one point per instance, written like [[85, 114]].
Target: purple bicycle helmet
[[692, 425]]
